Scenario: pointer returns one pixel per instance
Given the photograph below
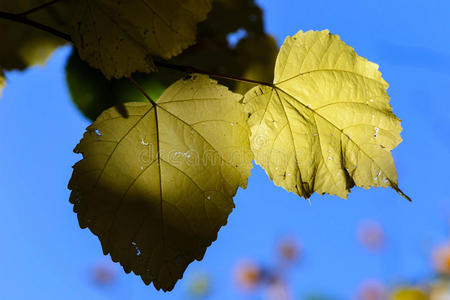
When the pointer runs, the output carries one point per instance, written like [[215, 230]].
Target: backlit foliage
[[121, 37], [186, 156], [326, 124], [165, 156]]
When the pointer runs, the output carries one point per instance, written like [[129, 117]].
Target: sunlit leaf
[[326, 124], [120, 37], [24, 46], [92, 93], [156, 187]]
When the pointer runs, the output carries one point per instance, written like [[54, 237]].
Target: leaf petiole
[[140, 89], [37, 8]]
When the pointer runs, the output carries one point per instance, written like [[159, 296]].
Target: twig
[[37, 8], [188, 69], [24, 20], [19, 18]]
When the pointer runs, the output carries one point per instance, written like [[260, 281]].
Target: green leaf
[[92, 93], [326, 124], [24, 46], [119, 37], [156, 187]]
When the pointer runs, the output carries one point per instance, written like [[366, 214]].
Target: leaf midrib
[[393, 183]]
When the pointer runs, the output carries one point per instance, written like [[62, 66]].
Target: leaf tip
[[400, 192]]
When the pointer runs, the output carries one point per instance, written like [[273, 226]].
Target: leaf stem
[[188, 69], [21, 18], [39, 7], [140, 89], [24, 20]]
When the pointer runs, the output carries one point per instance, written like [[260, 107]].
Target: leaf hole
[[234, 37]]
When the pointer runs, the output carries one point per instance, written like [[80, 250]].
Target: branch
[[24, 20], [39, 7], [19, 18]]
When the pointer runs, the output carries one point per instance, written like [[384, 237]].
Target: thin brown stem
[[140, 89], [37, 8], [188, 69], [24, 20]]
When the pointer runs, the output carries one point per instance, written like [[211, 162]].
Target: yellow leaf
[[156, 187], [119, 37], [24, 46], [326, 124]]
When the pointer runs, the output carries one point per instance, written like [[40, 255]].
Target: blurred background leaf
[[409, 293]]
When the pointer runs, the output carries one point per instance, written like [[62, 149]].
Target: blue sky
[[44, 254]]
